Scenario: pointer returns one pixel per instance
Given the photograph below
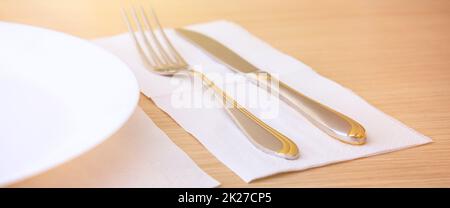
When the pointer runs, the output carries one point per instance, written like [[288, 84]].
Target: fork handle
[[261, 135], [335, 124]]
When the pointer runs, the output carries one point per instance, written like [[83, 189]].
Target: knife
[[332, 122]]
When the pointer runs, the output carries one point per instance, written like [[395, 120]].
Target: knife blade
[[330, 121]]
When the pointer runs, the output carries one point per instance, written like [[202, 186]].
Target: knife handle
[[263, 136], [335, 124]]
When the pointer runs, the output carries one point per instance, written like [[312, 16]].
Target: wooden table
[[395, 54]]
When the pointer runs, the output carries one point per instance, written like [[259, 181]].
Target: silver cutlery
[[334, 123], [168, 62]]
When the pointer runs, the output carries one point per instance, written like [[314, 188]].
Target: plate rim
[[29, 174]]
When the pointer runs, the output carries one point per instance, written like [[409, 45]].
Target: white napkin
[[217, 132], [138, 155]]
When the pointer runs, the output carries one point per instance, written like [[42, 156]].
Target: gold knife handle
[[263, 136], [333, 123]]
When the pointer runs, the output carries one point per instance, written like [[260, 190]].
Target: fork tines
[[149, 44]]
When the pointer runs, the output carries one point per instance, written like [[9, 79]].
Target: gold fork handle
[[259, 133], [333, 123]]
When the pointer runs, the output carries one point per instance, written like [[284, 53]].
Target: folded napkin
[[138, 155], [217, 132]]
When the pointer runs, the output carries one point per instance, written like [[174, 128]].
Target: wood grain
[[395, 54]]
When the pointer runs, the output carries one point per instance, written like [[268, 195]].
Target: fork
[[168, 62]]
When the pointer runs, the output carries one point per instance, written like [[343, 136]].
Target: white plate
[[59, 97]]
